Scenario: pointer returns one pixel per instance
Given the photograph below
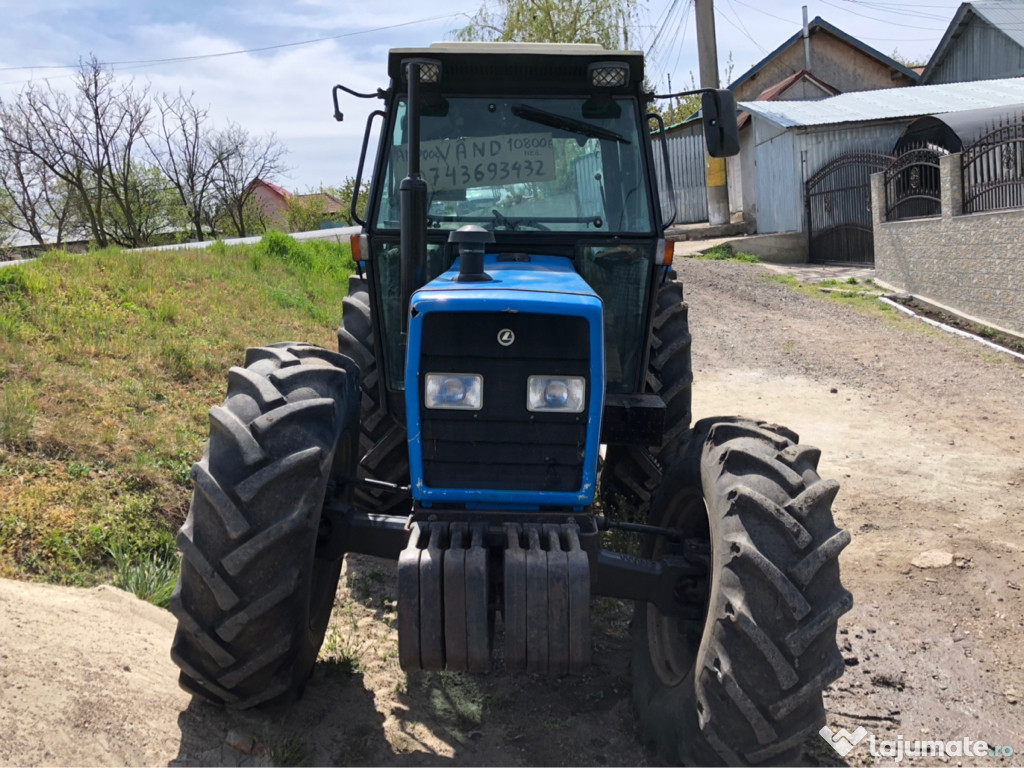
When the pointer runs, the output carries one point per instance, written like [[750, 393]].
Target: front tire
[[632, 472], [383, 443], [253, 599], [743, 685]]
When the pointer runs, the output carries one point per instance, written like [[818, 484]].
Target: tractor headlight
[[608, 74], [561, 394], [463, 391]]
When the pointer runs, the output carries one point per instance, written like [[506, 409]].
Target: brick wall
[[971, 264]]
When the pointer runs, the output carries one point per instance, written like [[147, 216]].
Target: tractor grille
[[503, 445]]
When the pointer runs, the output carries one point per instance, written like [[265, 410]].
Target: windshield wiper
[[535, 115]]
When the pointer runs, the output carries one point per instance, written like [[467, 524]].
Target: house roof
[[772, 93], [332, 205], [775, 92], [888, 103], [279, 191], [1007, 16], [22, 240], [816, 24]]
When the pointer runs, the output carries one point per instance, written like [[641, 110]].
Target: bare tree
[[88, 141], [36, 202], [189, 154], [245, 158], [121, 120]]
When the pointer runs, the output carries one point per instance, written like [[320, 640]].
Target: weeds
[[725, 252], [291, 751], [149, 577], [862, 297], [17, 414], [338, 653]]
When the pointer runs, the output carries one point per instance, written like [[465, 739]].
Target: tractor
[[512, 386]]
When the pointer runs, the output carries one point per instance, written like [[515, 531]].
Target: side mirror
[[721, 133]]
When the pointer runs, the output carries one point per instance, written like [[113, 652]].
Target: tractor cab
[[544, 146]]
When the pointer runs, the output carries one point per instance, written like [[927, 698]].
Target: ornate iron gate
[[992, 169], [838, 204]]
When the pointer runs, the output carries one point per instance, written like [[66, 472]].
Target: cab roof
[[479, 67]]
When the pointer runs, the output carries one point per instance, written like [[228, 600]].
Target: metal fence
[[686, 161], [992, 169], [912, 189]]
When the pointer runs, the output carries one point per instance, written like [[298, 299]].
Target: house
[[272, 201], [831, 62], [334, 211], [815, 157], [833, 56], [741, 170], [984, 41]]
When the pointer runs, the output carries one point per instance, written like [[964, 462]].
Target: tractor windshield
[[525, 164]]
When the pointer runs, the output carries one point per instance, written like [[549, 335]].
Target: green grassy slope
[[108, 365]]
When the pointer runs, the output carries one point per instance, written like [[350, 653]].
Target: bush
[[321, 257]]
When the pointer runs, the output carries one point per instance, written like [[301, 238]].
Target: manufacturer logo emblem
[[843, 741], [506, 337]]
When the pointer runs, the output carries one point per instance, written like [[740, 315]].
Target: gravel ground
[[925, 433]]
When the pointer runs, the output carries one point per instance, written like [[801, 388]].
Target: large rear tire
[[743, 685], [253, 599], [631, 473], [383, 445]]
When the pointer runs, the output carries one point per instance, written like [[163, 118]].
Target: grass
[[859, 296], [149, 577], [725, 252], [291, 751], [109, 363]]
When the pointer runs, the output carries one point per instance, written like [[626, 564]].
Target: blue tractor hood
[[523, 290]]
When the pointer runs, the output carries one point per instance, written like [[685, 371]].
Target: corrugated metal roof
[[889, 103], [1005, 15]]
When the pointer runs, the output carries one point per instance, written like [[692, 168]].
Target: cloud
[[287, 91]]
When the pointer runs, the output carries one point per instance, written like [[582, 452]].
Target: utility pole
[[707, 53]]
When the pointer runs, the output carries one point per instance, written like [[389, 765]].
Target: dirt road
[[924, 431]]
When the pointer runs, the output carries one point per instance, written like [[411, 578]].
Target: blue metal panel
[[540, 273], [544, 285]]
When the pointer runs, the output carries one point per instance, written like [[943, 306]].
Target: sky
[[212, 50]]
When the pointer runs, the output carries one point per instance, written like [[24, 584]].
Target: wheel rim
[[673, 641]]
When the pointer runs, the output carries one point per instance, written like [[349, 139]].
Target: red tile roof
[[775, 92]]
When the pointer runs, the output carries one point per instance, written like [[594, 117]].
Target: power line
[[741, 27], [682, 38], [662, 25], [883, 21], [655, 29], [755, 8], [902, 9], [196, 57]]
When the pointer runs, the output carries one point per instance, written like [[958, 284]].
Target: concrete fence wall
[[972, 264]]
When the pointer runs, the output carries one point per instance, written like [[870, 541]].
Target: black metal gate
[[838, 205]]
